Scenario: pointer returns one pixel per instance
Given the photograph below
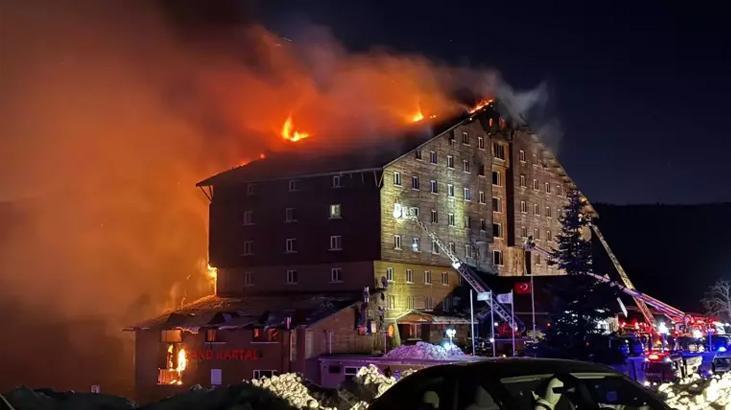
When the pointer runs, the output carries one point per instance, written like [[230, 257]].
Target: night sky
[[640, 88]]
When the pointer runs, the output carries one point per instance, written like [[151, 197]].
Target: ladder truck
[[464, 270], [642, 300]]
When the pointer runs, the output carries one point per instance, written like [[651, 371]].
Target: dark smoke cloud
[[109, 114]]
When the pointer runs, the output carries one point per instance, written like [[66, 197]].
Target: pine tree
[[573, 254]]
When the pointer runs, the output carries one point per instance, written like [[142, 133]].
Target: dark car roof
[[508, 367]]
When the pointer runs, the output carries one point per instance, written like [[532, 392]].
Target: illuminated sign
[[226, 354]]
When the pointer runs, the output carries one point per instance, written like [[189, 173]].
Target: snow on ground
[[696, 393], [426, 351]]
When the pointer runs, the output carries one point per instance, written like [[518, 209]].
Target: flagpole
[[472, 322], [492, 323], [512, 313]]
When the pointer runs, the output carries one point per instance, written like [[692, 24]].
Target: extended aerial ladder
[[468, 274], [641, 299]]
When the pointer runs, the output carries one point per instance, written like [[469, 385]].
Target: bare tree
[[717, 299]]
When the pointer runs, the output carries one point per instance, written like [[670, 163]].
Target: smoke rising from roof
[[109, 114]]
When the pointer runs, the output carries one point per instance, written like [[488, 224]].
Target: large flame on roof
[[289, 133], [481, 104]]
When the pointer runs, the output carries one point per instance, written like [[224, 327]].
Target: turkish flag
[[522, 288]]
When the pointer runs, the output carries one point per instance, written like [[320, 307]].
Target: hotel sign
[[225, 354]]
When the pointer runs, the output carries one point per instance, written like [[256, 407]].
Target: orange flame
[[289, 133], [418, 116], [481, 104]]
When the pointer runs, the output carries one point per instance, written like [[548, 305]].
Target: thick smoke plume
[[109, 114]]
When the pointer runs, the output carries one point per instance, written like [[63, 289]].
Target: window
[[536, 210], [415, 182], [452, 247], [497, 204], [549, 235], [523, 183], [397, 242], [391, 304], [293, 185], [248, 248], [250, 189], [537, 234], [498, 150], [336, 242], [335, 211], [416, 244], [171, 336], [481, 170], [535, 184], [409, 276], [548, 212], [290, 245], [264, 335], [337, 183], [336, 275], [496, 178], [428, 303], [445, 278], [290, 215], [466, 166], [450, 219], [559, 190], [248, 217], [210, 336], [450, 190], [521, 155], [389, 274], [433, 157], [481, 142], [497, 230], [417, 154], [483, 225], [450, 161], [467, 194], [434, 187], [434, 216], [465, 138], [548, 187], [292, 277], [434, 247], [523, 232], [397, 178], [483, 197], [497, 257], [467, 222], [248, 279], [447, 304], [523, 207], [258, 374], [410, 302], [427, 277], [216, 377]]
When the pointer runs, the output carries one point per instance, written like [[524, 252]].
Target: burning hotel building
[[314, 258]]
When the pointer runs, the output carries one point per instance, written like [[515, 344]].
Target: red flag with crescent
[[522, 288]]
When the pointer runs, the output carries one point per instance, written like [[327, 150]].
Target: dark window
[[496, 180], [433, 157], [415, 182], [497, 258], [417, 154], [498, 150]]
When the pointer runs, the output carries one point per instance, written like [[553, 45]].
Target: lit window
[[445, 278], [397, 242], [497, 257], [466, 166], [548, 187], [210, 336], [450, 219], [434, 216], [523, 207], [496, 178], [481, 142], [336, 275], [293, 185], [248, 217], [336, 242], [292, 277], [409, 276], [498, 150], [483, 197], [290, 245], [521, 155], [416, 244], [467, 194], [427, 277], [497, 204], [335, 211], [434, 247], [397, 178], [434, 186], [216, 377], [450, 190], [415, 182], [248, 279], [497, 230], [417, 154], [389, 274], [523, 232], [465, 138], [450, 161], [290, 215], [433, 157], [248, 248], [258, 374]]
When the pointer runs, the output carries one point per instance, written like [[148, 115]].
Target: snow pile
[[289, 386], [426, 351], [697, 394]]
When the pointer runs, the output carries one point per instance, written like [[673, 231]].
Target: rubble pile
[[426, 351], [696, 393], [289, 386]]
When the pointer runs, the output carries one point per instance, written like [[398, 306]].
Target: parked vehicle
[[721, 362], [517, 383]]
